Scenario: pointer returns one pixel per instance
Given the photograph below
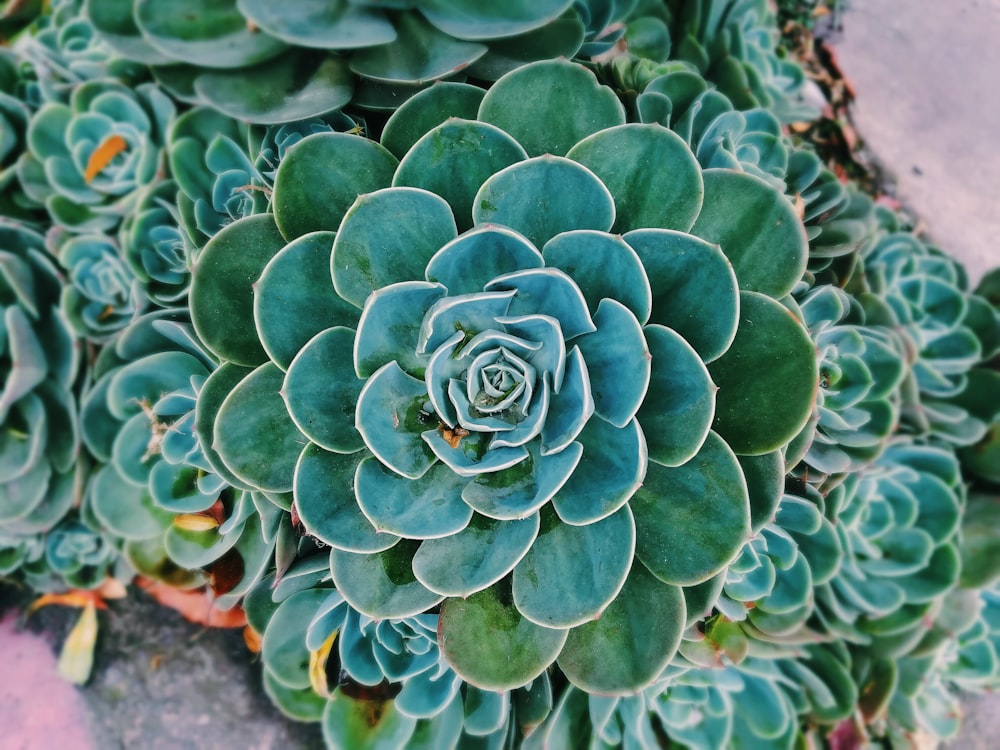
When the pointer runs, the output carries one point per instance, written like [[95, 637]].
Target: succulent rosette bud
[[87, 159], [155, 246], [861, 370], [102, 295], [518, 338], [921, 292]]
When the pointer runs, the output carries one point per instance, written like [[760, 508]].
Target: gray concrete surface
[[926, 74], [159, 683]]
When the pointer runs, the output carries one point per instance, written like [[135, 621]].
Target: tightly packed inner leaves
[[514, 370]]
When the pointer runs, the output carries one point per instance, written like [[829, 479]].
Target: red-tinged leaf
[[846, 736], [195, 606], [252, 639], [75, 598]]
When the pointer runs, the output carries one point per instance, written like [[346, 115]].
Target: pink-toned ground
[[38, 709]]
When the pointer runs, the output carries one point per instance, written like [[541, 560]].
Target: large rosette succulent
[[518, 339]]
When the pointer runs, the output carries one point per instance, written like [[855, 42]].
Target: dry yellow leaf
[[77, 657]]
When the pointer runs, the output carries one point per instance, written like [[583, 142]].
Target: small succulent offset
[[442, 334], [861, 371], [840, 222], [88, 158], [734, 44], [325, 661], [921, 292], [155, 491]]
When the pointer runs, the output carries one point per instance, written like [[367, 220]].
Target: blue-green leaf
[[456, 566], [692, 520], [571, 573], [386, 237]]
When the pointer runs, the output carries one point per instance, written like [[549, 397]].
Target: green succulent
[[14, 116], [155, 247], [225, 169], [697, 708], [897, 525], [15, 15], [156, 489], [503, 395], [64, 51], [982, 459], [87, 160], [258, 63], [40, 443], [861, 371], [324, 661], [77, 555], [840, 221], [102, 294], [735, 45], [69, 555], [922, 293]]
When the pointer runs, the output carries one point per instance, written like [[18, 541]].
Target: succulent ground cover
[[519, 373]]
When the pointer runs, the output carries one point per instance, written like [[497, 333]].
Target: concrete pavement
[[925, 74]]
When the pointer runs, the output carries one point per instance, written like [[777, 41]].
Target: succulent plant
[[840, 221], [17, 14], [262, 64], [897, 525], [692, 707], [922, 293], [39, 450], [325, 661], [982, 459], [486, 371], [155, 246], [225, 169], [102, 294], [156, 490], [861, 370], [14, 116], [88, 159], [547, 404], [64, 50], [734, 44]]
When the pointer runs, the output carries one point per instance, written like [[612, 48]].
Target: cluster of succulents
[[512, 369]]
